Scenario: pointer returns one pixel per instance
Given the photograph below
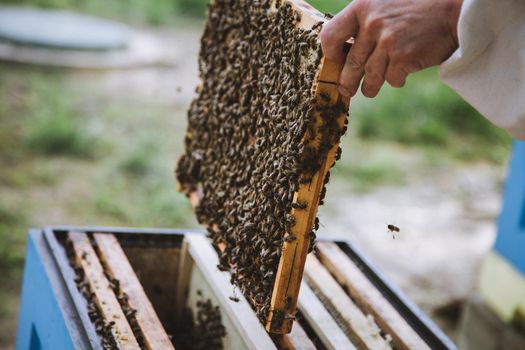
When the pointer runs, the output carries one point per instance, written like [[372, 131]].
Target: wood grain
[[320, 320], [362, 329], [240, 313], [297, 339], [293, 254], [157, 270], [117, 266], [368, 298], [104, 296]]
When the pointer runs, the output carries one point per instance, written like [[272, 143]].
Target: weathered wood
[[297, 339], [362, 329], [320, 320], [293, 254], [366, 295], [117, 266], [104, 296], [200, 290], [183, 278], [157, 270], [240, 313]]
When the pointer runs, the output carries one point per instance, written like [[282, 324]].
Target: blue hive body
[[510, 242], [42, 324]]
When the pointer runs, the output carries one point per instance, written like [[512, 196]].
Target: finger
[[353, 69], [395, 76], [337, 31], [375, 70]]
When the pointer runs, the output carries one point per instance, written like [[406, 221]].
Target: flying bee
[[234, 298], [393, 229]]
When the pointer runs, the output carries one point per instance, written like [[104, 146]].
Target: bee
[[338, 153], [300, 205], [393, 229], [289, 238], [316, 224], [325, 96], [317, 26]]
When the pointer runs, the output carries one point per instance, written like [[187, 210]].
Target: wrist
[[453, 10]]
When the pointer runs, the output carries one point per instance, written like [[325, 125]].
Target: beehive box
[[160, 289]]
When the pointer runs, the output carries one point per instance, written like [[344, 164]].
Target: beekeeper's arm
[[482, 60], [488, 68]]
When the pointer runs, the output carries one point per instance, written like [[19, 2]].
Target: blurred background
[[92, 139]]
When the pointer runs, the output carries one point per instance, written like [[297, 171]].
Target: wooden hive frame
[[293, 253], [103, 260], [102, 264]]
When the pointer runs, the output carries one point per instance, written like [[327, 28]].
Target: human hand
[[393, 38]]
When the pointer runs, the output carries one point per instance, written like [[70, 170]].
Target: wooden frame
[[368, 297], [117, 266], [103, 294], [293, 253], [240, 314], [199, 252], [361, 329], [324, 325]]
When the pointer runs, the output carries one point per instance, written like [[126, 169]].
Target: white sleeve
[[488, 68]]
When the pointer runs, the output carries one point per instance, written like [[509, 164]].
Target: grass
[[38, 113], [330, 6], [366, 176], [55, 128], [12, 222], [139, 161], [426, 113], [72, 154], [152, 12], [157, 12], [11, 217]]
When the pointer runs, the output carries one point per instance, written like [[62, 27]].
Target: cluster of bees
[[203, 329], [102, 326], [200, 330], [129, 312], [249, 140]]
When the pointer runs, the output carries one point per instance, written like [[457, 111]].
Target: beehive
[[147, 281], [263, 131]]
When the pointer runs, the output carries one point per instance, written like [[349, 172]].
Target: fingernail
[[344, 91]]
